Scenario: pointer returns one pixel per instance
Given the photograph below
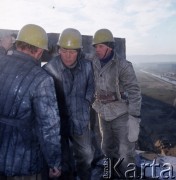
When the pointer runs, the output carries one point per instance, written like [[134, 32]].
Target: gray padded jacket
[[116, 77]]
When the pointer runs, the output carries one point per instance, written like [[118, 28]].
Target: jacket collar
[[25, 56], [97, 63]]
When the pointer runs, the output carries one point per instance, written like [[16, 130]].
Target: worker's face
[[102, 51], [68, 56]]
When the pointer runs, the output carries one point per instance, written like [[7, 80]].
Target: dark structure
[[87, 44]]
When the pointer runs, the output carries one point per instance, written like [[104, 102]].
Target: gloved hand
[[133, 128]]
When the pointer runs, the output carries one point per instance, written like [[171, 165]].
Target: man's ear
[[110, 48], [38, 53]]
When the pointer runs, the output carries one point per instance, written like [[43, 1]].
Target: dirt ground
[[158, 114], [156, 88]]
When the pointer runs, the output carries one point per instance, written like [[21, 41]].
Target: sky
[[148, 26]]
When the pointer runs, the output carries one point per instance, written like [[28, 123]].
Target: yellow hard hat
[[102, 36], [33, 35], [70, 39]]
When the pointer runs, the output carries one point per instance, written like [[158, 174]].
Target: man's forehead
[[101, 45]]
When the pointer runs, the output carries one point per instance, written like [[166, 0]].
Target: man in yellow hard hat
[[118, 117], [29, 115], [73, 76]]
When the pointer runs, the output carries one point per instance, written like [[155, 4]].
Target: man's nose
[[68, 54]]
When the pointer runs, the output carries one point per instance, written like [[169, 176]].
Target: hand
[[54, 172], [133, 128]]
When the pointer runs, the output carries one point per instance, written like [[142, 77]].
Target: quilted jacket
[[29, 117], [75, 90], [2, 50]]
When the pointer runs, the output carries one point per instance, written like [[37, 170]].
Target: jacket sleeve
[[130, 85], [48, 121], [90, 85]]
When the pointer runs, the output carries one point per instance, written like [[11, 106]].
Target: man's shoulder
[[2, 50], [90, 56], [41, 75], [38, 72], [52, 61], [121, 61], [86, 61], [52, 64], [54, 67]]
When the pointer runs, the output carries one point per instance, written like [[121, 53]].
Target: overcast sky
[[149, 26]]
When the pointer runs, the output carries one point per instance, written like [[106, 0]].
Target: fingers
[[54, 172]]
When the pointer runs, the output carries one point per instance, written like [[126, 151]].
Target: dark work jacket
[[75, 91], [29, 117], [2, 51]]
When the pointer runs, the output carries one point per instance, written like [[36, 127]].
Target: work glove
[[133, 125]]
